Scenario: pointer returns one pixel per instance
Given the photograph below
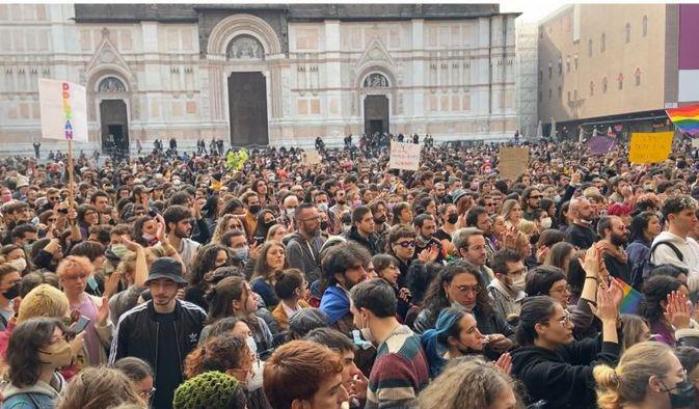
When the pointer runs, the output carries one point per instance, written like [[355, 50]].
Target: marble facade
[[446, 70]]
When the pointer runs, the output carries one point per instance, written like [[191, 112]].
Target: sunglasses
[[406, 244]]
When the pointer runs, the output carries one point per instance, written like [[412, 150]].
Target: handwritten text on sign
[[404, 156], [63, 110], [650, 147]]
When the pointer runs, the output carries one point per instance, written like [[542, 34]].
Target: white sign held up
[[404, 156], [63, 110]]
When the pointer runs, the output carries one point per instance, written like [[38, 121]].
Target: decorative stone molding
[[237, 24]]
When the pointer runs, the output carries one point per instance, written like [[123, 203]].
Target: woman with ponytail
[[649, 375]]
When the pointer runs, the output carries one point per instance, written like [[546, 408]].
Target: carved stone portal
[[111, 85], [375, 80], [245, 47]]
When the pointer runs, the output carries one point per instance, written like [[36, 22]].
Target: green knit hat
[[209, 390]]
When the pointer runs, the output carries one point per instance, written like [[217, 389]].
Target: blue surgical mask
[[242, 253]]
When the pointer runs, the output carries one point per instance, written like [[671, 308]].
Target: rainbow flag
[[686, 118], [631, 301]]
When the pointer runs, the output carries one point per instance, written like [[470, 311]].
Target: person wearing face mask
[[400, 370], [289, 205], [507, 289], [649, 375], [36, 351], [15, 256], [455, 335], [9, 290]]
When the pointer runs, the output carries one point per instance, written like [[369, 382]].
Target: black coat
[[562, 378]]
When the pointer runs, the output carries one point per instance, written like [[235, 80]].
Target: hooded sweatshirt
[[38, 396]]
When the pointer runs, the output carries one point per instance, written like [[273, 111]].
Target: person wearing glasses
[[531, 199], [550, 363], [461, 285], [507, 289]]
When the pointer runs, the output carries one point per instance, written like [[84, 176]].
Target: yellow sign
[[650, 147]]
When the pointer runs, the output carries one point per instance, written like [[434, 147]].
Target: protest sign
[[404, 156], [63, 110], [311, 157], [650, 147], [600, 145], [695, 142], [512, 162]]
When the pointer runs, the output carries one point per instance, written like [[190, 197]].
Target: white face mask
[[19, 264], [546, 222], [519, 283]]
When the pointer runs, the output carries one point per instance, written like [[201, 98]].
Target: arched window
[[620, 81], [592, 88], [637, 76], [604, 85], [245, 47], [627, 31], [589, 47], [603, 43], [111, 85], [375, 80], [645, 25]]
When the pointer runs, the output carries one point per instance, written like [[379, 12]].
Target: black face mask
[[323, 225], [683, 395], [254, 209], [12, 292]]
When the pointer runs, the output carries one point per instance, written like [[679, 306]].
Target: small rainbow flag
[[685, 118], [631, 301]]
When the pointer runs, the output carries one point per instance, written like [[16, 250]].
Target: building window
[[541, 95], [604, 85], [569, 96], [550, 93], [541, 75], [592, 88], [603, 43], [645, 25], [575, 95], [637, 76], [589, 48], [560, 66], [620, 81], [567, 64], [550, 71], [627, 31], [575, 63], [560, 92]]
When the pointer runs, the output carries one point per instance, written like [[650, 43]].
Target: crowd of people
[[170, 281]]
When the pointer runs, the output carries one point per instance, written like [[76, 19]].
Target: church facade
[[261, 74]]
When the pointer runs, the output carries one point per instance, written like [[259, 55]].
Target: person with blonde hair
[[99, 388], [512, 212], [73, 273], [649, 375], [471, 383]]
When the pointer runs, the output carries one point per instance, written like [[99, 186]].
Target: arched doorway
[[114, 124], [376, 104], [247, 94]]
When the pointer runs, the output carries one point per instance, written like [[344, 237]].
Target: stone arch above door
[[237, 24]]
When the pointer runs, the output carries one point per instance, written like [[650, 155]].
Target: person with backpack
[[674, 246], [644, 228], [37, 349]]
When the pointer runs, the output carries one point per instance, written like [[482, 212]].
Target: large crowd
[[205, 280]]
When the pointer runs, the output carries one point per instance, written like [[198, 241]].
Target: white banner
[[404, 156], [63, 110]]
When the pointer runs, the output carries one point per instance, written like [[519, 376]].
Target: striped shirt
[[399, 373]]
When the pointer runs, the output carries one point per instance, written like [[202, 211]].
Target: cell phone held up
[[80, 325]]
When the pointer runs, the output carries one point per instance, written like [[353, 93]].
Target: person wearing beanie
[[210, 390], [162, 331]]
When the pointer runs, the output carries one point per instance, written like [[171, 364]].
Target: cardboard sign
[[695, 142], [600, 145], [404, 156], [311, 157], [650, 147], [63, 110], [512, 162]]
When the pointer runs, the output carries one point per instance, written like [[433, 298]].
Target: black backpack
[[650, 266]]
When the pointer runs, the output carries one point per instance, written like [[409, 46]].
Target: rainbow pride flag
[[686, 118], [631, 301]]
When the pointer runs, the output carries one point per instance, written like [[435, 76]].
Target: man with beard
[[614, 236], [380, 212], [303, 248], [440, 193], [426, 227], [579, 233], [14, 213], [178, 227], [344, 266], [338, 209]]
